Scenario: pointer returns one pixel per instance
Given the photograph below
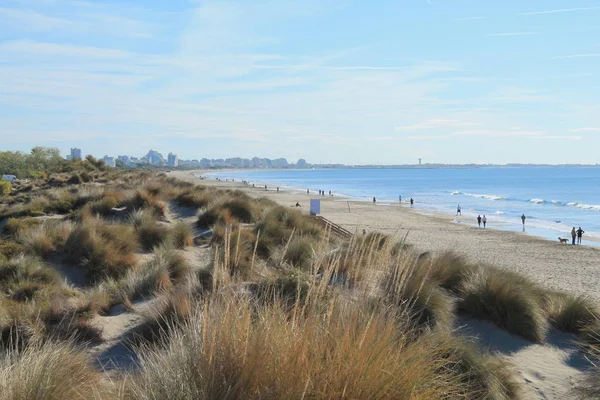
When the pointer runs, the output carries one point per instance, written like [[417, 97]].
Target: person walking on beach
[[580, 233], [399, 199], [411, 202], [573, 235], [374, 201], [523, 218], [484, 219], [458, 212], [479, 220]]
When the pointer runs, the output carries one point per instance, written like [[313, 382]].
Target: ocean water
[[553, 199]]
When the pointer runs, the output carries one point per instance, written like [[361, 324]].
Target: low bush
[[104, 250], [10, 249], [230, 349], [44, 239], [507, 299], [194, 199], [5, 188], [426, 304], [299, 252], [236, 253], [51, 371], [570, 313], [236, 210], [14, 225], [181, 235]]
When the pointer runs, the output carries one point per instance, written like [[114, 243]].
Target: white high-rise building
[[172, 160], [109, 161], [75, 153]]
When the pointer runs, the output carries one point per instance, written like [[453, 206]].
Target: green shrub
[[14, 225], [299, 252], [5, 188], [10, 249], [237, 210]]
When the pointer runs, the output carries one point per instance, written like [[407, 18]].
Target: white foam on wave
[[485, 196], [537, 201], [456, 193], [500, 212], [593, 207]]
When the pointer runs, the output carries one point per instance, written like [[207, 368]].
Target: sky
[[331, 81]]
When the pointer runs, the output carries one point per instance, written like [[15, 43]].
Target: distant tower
[[75, 153], [172, 160], [419, 161]]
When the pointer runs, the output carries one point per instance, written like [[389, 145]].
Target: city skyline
[[335, 82]]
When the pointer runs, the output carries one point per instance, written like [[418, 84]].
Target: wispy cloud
[[512, 133], [435, 124], [513, 34], [585, 130], [584, 55], [563, 10]]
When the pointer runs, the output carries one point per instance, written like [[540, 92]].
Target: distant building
[[124, 159], [173, 161], [109, 161], [69, 158], [75, 153], [420, 161], [154, 157]]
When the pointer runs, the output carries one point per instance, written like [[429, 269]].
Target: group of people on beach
[[577, 235]]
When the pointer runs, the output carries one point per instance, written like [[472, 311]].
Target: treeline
[[43, 161]]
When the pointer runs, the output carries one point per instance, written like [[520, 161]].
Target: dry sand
[[575, 269], [548, 371]]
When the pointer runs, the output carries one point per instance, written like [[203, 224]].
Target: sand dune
[[548, 371]]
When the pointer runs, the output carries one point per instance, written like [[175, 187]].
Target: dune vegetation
[[268, 305]]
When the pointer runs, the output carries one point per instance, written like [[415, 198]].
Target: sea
[[554, 199]]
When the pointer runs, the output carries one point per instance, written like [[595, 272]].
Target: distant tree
[[119, 163]]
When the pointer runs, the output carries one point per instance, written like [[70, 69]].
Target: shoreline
[[467, 219], [558, 266]]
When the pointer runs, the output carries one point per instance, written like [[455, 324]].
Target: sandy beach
[[575, 269]]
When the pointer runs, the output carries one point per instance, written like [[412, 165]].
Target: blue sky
[[348, 81]]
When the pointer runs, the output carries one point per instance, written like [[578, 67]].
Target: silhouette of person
[[484, 219], [580, 233], [411, 202], [458, 212], [479, 220], [374, 200], [523, 218], [573, 234]]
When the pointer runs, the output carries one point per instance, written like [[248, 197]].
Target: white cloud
[[560, 10], [584, 55], [434, 124], [585, 130], [512, 34]]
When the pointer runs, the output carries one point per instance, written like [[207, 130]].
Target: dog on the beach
[[565, 241]]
